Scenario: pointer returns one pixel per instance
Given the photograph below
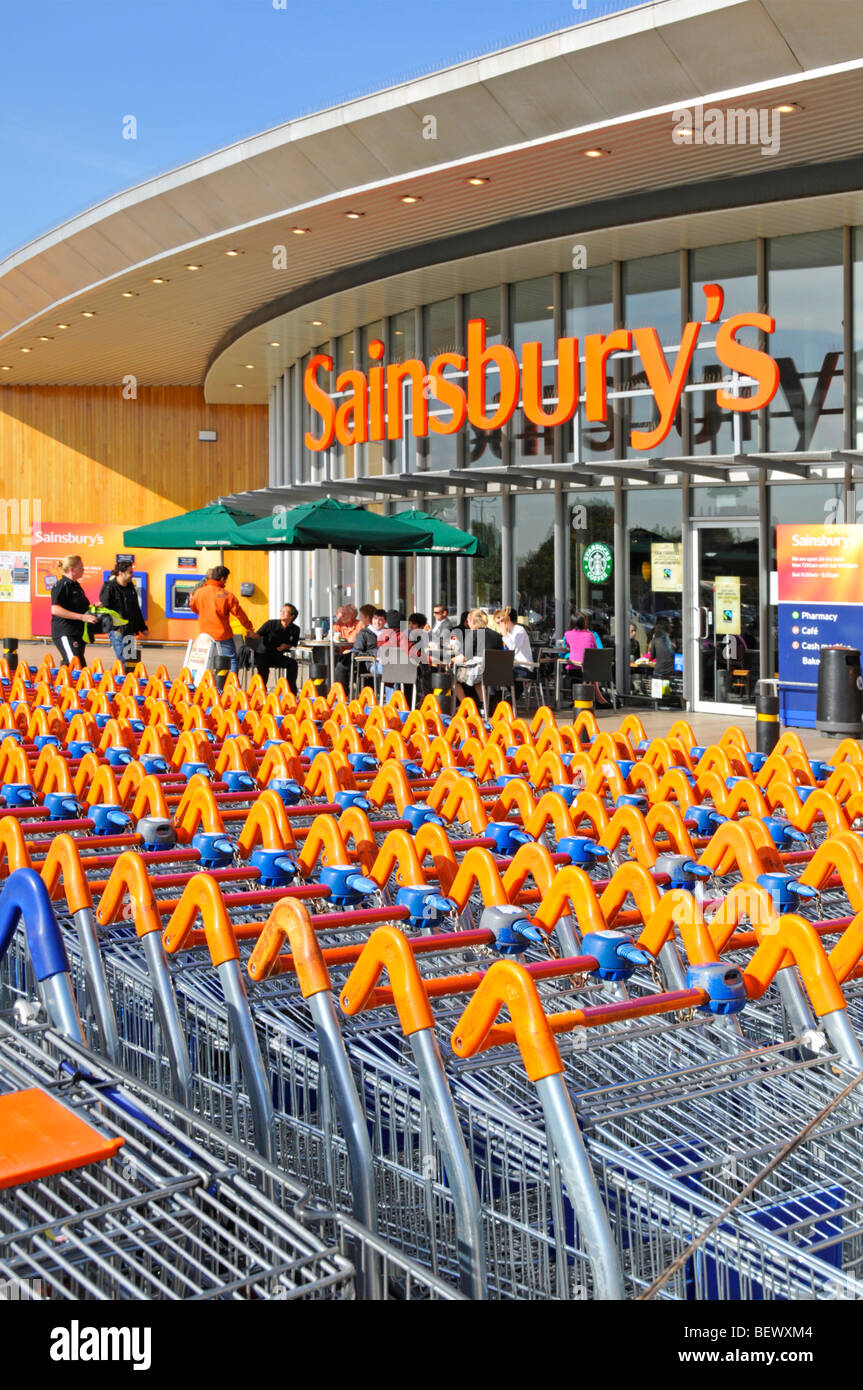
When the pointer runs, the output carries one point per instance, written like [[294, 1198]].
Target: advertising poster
[[157, 573], [820, 587], [666, 567], [14, 576], [726, 605]]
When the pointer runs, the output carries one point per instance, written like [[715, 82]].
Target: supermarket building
[[343, 306]]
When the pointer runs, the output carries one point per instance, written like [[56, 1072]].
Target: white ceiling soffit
[[522, 117]]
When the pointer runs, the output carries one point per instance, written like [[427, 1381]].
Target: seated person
[[418, 640], [279, 636], [364, 640], [439, 639], [661, 650], [579, 639], [516, 640], [479, 638]]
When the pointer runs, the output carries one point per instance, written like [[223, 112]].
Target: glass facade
[[485, 514], [485, 446], [655, 577], [440, 450], [734, 267], [804, 292], [797, 279], [532, 319], [651, 298], [590, 518], [533, 532], [588, 307]]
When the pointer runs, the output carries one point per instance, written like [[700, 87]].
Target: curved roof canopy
[[223, 271]]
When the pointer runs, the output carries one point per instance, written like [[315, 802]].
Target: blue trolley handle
[[26, 896]]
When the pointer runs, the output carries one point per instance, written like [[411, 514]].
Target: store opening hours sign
[[820, 575]]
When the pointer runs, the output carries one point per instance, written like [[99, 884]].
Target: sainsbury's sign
[[371, 407]]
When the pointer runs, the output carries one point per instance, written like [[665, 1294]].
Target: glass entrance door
[[727, 639]]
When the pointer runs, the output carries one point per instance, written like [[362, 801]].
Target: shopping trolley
[[179, 1211], [124, 1203]]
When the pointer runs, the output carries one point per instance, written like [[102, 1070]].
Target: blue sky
[[198, 74]]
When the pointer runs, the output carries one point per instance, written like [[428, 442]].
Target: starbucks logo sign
[[597, 562]]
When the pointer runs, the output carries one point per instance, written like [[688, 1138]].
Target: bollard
[[766, 721], [582, 697], [10, 653], [839, 705], [441, 686], [319, 675]]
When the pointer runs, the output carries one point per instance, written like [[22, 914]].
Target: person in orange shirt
[[214, 607]]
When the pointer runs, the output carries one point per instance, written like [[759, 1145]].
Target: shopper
[[479, 639], [68, 605], [439, 638], [362, 643], [120, 594], [516, 640], [215, 606], [418, 640], [661, 650], [278, 637], [579, 639]]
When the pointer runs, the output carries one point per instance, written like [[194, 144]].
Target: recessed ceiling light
[[476, 180], [159, 280], [274, 345], [317, 323], [410, 198], [5, 369], [239, 385], [43, 338], [25, 349], [232, 253], [788, 108], [193, 267], [299, 231], [250, 366], [128, 294], [399, 332], [354, 215], [88, 314], [62, 325], [595, 153], [549, 306], [350, 352]]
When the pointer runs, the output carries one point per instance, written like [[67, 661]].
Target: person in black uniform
[[119, 593], [69, 606], [279, 636]]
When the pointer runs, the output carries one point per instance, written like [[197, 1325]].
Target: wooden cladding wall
[[83, 453]]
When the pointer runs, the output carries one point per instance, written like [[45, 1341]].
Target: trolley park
[[318, 996], [431, 706]]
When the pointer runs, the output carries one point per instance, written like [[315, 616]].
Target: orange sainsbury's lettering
[[567, 383], [319, 401], [667, 387], [598, 347], [371, 404], [352, 426], [748, 361], [478, 358], [448, 392], [415, 371]]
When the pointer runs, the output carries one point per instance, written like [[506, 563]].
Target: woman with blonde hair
[[69, 606], [469, 673]]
